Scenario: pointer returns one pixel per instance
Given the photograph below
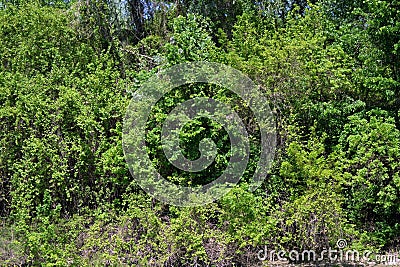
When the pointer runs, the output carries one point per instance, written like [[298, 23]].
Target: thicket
[[68, 70]]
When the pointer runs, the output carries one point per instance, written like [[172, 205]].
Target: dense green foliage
[[330, 70]]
